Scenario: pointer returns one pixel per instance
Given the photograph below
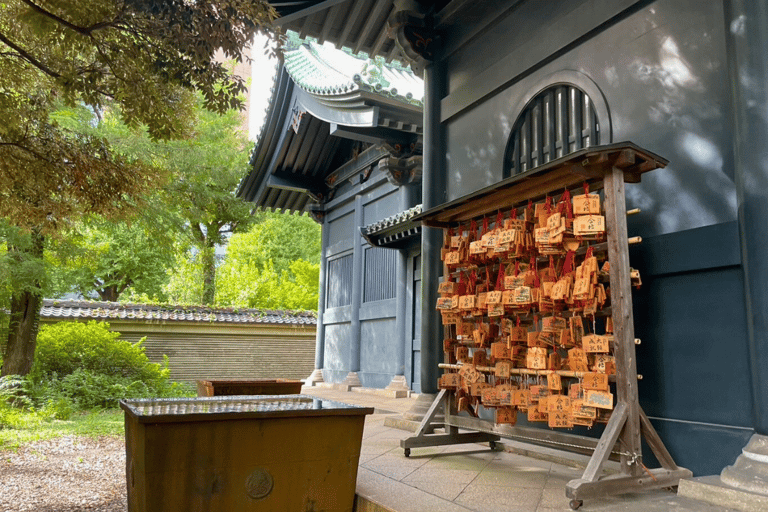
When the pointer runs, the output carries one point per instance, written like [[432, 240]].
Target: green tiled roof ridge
[[326, 71]]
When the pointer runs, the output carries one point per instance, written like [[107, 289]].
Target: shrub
[[65, 347], [88, 366], [12, 401]]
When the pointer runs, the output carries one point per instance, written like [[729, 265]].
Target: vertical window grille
[[339, 291], [380, 274], [559, 120]]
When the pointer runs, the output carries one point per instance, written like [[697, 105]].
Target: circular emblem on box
[[259, 484]]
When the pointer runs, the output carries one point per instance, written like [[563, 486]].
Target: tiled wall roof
[[70, 309]]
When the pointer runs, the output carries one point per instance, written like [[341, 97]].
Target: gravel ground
[[66, 474]]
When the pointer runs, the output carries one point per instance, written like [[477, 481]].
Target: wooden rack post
[[606, 167]]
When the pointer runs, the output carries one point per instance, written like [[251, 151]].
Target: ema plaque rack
[[536, 303]]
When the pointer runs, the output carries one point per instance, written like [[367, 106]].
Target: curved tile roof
[[396, 231], [323, 70], [392, 221], [71, 309]]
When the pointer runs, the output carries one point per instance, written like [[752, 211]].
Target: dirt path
[[66, 474]]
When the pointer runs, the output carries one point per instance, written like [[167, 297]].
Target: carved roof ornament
[[297, 113], [372, 75], [402, 171], [414, 38], [316, 212]]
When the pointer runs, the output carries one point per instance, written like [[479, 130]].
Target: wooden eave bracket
[[571, 171]]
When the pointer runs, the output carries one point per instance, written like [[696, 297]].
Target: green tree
[[198, 200], [109, 258], [197, 204], [206, 170], [274, 265], [147, 56]]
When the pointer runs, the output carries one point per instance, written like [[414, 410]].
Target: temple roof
[[328, 107], [323, 70], [394, 231]]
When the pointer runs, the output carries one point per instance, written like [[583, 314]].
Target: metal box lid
[[159, 410]]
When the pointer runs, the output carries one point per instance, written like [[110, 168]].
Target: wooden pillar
[[623, 324]]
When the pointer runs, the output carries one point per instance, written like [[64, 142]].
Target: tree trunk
[[208, 255], [24, 321], [109, 293]]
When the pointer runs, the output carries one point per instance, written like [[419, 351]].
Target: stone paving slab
[[471, 477]]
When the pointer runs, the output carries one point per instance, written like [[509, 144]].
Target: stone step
[[710, 489]]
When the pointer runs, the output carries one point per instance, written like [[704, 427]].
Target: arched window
[[559, 120]]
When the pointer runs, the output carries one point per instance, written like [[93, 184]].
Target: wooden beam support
[[621, 304], [432, 411], [625, 159], [659, 478], [607, 441], [447, 439], [656, 444]]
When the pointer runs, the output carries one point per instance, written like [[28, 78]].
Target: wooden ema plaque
[[537, 295]]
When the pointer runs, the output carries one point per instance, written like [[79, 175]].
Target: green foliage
[[275, 265], [65, 347], [295, 288], [110, 257], [196, 208], [147, 55], [89, 366], [185, 284], [20, 269], [206, 170], [12, 391], [88, 389], [149, 58], [29, 426], [280, 237]]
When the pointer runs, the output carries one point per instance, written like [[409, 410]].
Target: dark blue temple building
[[510, 85], [343, 141]]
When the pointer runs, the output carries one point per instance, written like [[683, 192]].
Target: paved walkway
[[468, 477]]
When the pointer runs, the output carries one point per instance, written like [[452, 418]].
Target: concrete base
[[389, 393], [750, 471], [315, 378], [710, 489], [338, 386], [348, 384], [420, 408], [399, 386], [401, 423], [742, 486], [352, 381]]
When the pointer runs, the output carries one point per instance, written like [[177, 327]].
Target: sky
[[262, 77]]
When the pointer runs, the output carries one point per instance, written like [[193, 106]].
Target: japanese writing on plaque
[[534, 414], [598, 381], [495, 310], [506, 415], [593, 343], [503, 369], [452, 258], [467, 302], [586, 204]]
